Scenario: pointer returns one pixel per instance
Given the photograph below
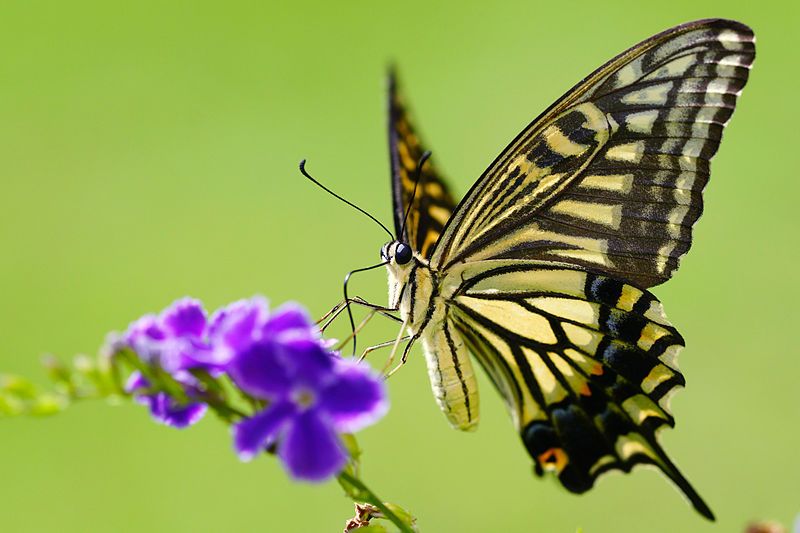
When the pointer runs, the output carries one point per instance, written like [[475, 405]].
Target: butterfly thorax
[[411, 285]]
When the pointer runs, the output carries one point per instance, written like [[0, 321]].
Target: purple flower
[[235, 327], [176, 341], [312, 395], [164, 408]]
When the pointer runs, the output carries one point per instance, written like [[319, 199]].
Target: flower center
[[303, 397]]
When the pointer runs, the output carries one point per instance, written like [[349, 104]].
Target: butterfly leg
[[370, 349], [357, 330], [404, 358], [395, 344], [329, 317], [335, 310]]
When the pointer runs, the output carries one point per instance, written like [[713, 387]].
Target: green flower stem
[[226, 412], [371, 497]]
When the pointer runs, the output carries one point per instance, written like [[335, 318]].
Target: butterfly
[[541, 272]]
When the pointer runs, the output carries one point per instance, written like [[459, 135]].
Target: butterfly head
[[397, 253], [398, 258]]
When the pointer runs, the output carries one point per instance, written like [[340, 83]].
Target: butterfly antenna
[[351, 204], [347, 298], [425, 155]]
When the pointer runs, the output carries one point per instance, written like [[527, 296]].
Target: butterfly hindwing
[[585, 363], [432, 204], [610, 177]]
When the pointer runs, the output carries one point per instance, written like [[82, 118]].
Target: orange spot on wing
[[553, 460]]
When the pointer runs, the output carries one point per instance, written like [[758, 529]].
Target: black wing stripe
[[453, 351]]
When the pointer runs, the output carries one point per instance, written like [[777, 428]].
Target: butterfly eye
[[402, 254]]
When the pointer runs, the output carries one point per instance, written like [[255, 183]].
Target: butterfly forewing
[[432, 204], [610, 177]]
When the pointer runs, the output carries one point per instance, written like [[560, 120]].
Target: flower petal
[[310, 363], [235, 327], [135, 382], [171, 413], [144, 337], [356, 399], [261, 370], [252, 435], [197, 353], [185, 317], [311, 449], [289, 316]]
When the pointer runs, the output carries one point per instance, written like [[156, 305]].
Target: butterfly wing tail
[[672, 472]]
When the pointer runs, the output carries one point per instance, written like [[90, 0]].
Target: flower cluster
[[304, 394]]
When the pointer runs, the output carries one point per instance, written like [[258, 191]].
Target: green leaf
[[351, 444], [57, 371], [403, 515], [354, 451], [353, 492], [11, 405], [48, 404], [17, 386]]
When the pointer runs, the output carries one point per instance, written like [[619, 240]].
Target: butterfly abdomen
[[449, 367], [450, 371]]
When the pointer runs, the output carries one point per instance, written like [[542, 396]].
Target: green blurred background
[[149, 152]]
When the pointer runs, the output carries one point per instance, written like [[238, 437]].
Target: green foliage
[[85, 378]]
